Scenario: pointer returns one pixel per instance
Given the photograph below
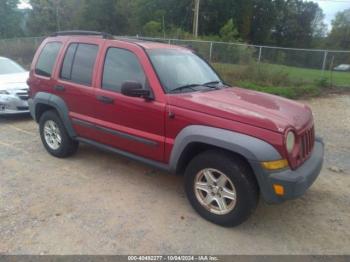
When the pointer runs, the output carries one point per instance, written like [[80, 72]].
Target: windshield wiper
[[211, 83], [190, 86]]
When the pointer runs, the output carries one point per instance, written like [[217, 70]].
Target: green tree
[[339, 37], [294, 24], [176, 13], [229, 32], [103, 15], [214, 14], [243, 17], [263, 19], [152, 28], [129, 9], [49, 16], [10, 19], [319, 28]]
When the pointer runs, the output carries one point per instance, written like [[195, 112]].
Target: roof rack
[[83, 32]]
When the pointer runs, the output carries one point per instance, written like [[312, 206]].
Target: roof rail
[[83, 32]]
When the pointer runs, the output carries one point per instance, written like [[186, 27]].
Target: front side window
[[47, 59], [120, 66], [177, 68], [78, 63]]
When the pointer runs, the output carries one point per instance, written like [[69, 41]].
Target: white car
[[342, 67], [13, 88]]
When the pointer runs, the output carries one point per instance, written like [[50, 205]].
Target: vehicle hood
[[14, 81], [246, 106]]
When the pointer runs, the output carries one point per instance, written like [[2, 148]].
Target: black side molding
[[115, 132], [146, 161]]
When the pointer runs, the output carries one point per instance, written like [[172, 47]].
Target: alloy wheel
[[52, 134], [215, 191]]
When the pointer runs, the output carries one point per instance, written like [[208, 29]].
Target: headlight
[[290, 141], [4, 92]]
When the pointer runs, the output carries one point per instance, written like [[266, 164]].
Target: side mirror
[[134, 89]]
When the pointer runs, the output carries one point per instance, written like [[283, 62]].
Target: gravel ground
[[100, 203]]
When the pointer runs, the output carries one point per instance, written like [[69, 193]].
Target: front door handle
[[105, 99], [59, 88]]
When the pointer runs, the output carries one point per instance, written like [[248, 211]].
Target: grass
[[291, 82], [293, 93]]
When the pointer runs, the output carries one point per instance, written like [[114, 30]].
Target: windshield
[[8, 66], [178, 69]]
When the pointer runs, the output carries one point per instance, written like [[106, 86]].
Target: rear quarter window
[[47, 59]]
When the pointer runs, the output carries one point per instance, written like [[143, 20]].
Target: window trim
[[64, 56], [55, 63], [147, 85]]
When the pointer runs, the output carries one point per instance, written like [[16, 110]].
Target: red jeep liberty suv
[[165, 106]]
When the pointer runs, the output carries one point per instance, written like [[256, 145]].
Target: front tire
[[221, 188], [54, 136]]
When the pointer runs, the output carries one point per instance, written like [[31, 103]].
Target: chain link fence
[[234, 61], [21, 50], [238, 53]]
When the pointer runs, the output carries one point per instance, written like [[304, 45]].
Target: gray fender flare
[[253, 149], [55, 102]]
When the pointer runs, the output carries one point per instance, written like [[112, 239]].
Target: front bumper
[[294, 182], [12, 104]]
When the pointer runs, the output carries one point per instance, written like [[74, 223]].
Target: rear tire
[[54, 136], [221, 187]]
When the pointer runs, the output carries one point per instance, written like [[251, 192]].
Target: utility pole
[[195, 17], [58, 20], [56, 8], [163, 25]]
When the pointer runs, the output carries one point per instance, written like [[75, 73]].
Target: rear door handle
[[59, 88], [105, 99]]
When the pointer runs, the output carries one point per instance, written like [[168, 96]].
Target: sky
[[330, 7], [23, 4]]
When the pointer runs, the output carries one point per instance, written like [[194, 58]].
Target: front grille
[[307, 140], [22, 108], [23, 94]]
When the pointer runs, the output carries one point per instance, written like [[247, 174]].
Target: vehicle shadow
[[15, 118]]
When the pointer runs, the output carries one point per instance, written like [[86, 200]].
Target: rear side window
[[78, 63], [68, 62], [120, 66], [47, 59]]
